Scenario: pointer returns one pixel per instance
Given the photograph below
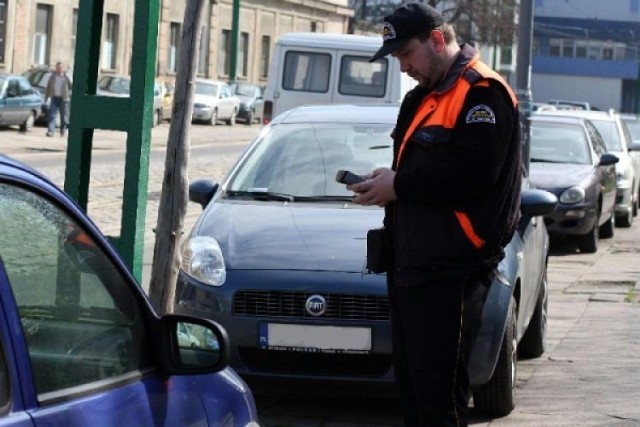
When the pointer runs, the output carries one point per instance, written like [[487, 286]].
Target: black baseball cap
[[408, 21]]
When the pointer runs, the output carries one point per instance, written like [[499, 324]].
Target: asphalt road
[[587, 376]]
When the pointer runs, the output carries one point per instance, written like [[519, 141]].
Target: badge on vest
[[481, 114]]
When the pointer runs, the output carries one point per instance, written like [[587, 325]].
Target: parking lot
[[587, 376]]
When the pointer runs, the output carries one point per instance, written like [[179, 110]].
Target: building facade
[[42, 32], [587, 50]]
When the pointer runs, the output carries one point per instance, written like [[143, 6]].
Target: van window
[[361, 78], [306, 71]]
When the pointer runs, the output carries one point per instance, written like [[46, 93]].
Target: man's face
[[419, 59], [59, 68]]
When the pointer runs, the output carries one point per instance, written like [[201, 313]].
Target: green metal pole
[[235, 34]]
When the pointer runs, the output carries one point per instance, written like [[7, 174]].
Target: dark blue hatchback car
[[80, 344], [278, 258]]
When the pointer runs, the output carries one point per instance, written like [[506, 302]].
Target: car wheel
[[588, 243], [608, 229], [497, 397], [625, 220], [232, 119], [250, 119], [635, 206], [214, 118], [533, 341], [28, 123]]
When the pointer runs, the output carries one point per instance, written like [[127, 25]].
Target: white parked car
[[213, 101]]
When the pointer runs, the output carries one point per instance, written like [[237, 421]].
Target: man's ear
[[438, 40]]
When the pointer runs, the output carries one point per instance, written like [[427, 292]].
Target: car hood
[[203, 99], [292, 236], [558, 175]]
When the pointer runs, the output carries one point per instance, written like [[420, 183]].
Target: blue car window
[[82, 323]]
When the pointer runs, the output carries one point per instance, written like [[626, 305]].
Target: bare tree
[[174, 194], [490, 22]]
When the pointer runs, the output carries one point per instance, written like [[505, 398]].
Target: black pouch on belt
[[379, 250]]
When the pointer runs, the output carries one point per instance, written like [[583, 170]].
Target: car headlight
[[572, 195], [202, 259]]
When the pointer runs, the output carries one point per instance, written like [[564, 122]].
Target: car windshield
[[559, 143], [206, 89], [298, 161], [115, 85], [609, 133], [244, 89]]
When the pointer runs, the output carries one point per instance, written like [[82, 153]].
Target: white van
[[323, 68]]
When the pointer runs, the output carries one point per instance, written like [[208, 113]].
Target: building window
[[607, 53], [243, 55], [203, 56], [265, 57], [313, 27], [110, 43], [223, 53], [42, 34], [554, 47], [3, 28], [174, 44], [567, 48], [581, 50], [74, 33]]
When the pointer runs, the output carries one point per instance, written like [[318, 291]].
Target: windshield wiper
[[324, 198], [262, 195], [535, 160]]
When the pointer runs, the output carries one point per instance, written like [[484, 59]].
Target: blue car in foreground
[[278, 258], [80, 344]]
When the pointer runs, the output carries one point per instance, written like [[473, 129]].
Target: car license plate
[[310, 338]]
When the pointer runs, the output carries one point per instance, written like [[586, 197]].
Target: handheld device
[[347, 177]]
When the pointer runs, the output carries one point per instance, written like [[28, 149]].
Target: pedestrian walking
[[451, 201], [58, 91]]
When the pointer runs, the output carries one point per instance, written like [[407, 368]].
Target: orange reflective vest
[[443, 109]]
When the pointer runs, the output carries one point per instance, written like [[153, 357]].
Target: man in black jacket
[[451, 203]]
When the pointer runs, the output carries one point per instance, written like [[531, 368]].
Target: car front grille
[[315, 364], [344, 306]]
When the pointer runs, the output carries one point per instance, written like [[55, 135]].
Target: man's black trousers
[[434, 325]]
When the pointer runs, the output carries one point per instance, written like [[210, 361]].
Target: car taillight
[[268, 112]]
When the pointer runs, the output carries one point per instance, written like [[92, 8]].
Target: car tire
[[635, 206], [28, 123], [249, 120], [625, 220], [232, 120], [588, 243], [157, 119], [608, 229], [533, 341], [497, 397], [214, 118]]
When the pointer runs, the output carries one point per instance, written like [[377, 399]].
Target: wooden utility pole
[[174, 194]]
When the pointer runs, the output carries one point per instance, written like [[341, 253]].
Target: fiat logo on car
[[316, 305]]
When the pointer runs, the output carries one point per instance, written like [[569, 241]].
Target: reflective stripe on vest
[[443, 109]]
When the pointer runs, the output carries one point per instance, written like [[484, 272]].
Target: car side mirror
[[608, 159], [634, 146], [202, 191], [191, 345], [534, 202]]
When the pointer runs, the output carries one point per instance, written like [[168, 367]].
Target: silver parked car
[[213, 101], [617, 139], [278, 258], [20, 103], [120, 86]]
